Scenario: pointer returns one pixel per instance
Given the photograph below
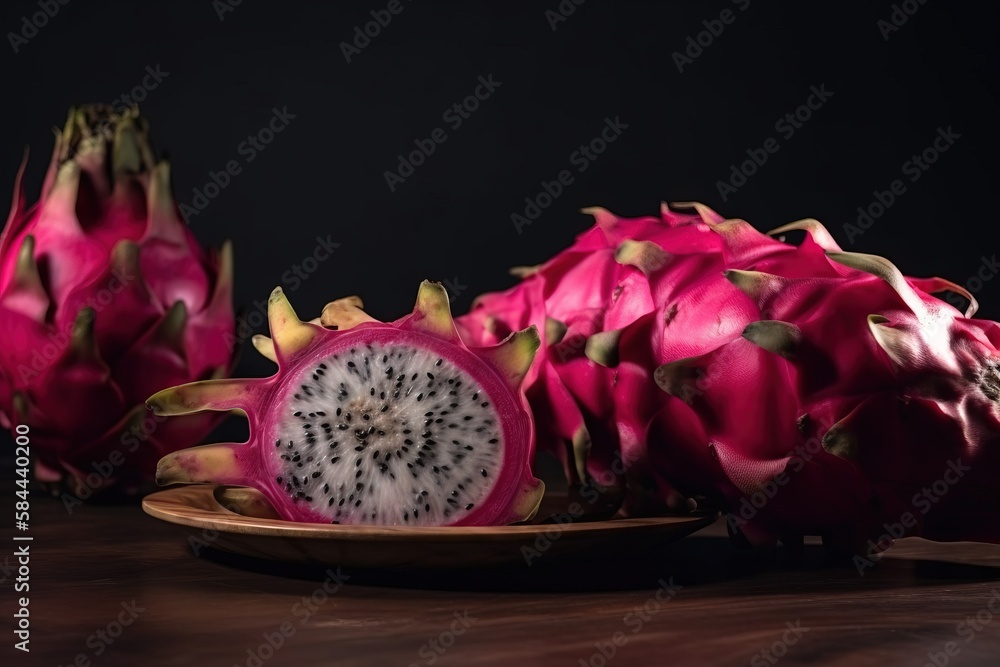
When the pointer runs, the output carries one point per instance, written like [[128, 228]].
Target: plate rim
[[223, 519]]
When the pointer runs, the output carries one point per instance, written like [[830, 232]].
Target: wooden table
[[733, 608]]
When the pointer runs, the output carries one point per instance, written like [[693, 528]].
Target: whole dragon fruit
[[105, 298], [806, 389]]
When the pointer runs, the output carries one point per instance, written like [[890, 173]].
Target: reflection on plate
[[240, 520]]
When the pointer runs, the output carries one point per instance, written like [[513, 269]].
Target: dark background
[[323, 175]]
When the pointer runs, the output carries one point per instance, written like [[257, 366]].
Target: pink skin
[[126, 253], [914, 391]]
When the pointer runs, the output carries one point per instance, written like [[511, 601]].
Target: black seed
[[420, 397], [351, 364], [375, 454], [359, 486], [341, 503], [469, 506], [315, 474], [339, 410], [357, 503], [493, 441], [334, 459], [483, 472], [358, 474], [278, 479], [430, 375], [427, 507], [309, 499], [326, 488], [331, 501]]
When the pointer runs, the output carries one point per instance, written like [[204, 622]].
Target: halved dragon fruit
[[374, 423]]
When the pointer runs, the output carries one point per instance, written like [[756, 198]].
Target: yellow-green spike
[[265, 346], [28, 295], [289, 333], [602, 348], [841, 441], [432, 312], [945, 285], [603, 218], [815, 229], [217, 395], [681, 378], [345, 313], [526, 505], [755, 284], [130, 148], [513, 357], [164, 220], [555, 331], [646, 256], [781, 338], [884, 269], [170, 331], [209, 464], [708, 215], [896, 342], [83, 342], [581, 445], [524, 271], [222, 295]]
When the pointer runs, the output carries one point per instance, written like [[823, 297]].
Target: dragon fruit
[[373, 423], [105, 298], [805, 389]]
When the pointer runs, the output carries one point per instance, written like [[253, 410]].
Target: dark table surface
[[106, 565]]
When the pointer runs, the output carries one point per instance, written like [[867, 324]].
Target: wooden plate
[[240, 520]]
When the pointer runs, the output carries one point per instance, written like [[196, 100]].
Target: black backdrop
[[691, 110]]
